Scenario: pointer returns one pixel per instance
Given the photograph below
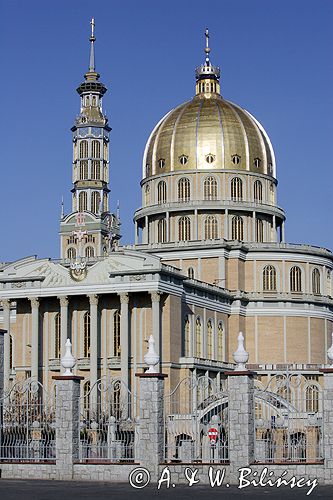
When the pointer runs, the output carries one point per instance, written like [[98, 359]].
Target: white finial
[[68, 361], [330, 352], [240, 356], [151, 358]]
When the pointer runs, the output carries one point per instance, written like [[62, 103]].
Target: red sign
[[213, 434]]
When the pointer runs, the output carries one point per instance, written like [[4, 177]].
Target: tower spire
[[92, 48]]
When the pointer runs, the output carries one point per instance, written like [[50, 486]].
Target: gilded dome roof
[[208, 133]]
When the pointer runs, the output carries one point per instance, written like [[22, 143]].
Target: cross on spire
[[92, 49], [92, 22], [207, 49]]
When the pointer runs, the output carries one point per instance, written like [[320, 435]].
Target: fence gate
[[107, 424], [196, 422], [27, 423], [288, 420]]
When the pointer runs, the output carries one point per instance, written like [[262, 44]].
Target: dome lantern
[[207, 76]]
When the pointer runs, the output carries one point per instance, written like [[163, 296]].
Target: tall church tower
[[90, 230]]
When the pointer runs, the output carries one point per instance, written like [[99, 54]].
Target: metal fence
[[108, 426], [27, 424], [196, 422], [288, 420]]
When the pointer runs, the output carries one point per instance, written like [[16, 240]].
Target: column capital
[[63, 301], [93, 299], [34, 302], [155, 296], [124, 297], [5, 304]]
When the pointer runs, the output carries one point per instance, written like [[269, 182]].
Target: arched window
[[257, 191], [94, 101], [95, 149], [271, 193], [89, 251], [57, 335], [161, 192], [295, 279], [316, 281], [184, 229], [187, 336], [220, 342], [211, 227], [190, 273], [210, 188], [259, 230], [95, 170], [84, 149], [198, 334], [10, 352], [95, 201], [147, 194], [237, 228], [116, 334], [236, 189], [161, 231], [71, 253], [312, 399], [184, 189], [83, 203], [84, 169], [269, 279], [209, 339], [86, 335]]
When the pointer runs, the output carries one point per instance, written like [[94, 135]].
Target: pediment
[[45, 273]]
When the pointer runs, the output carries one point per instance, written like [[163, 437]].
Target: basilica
[[209, 257]]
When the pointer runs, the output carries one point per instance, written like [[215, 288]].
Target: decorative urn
[[68, 361], [151, 358], [240, 356]]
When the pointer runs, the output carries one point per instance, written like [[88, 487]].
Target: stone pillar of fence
[[150, 448], [327, 401], [240, 411], [241, 418], [67, 424]]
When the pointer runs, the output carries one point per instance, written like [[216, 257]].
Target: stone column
[[93, 300], [241, 419], [146, 230], [67, 424], [150, 448], [124, 337], [156, 322], [327, 402], [2, 353], [167, 227], [196, 224], [6, 341], [226, 224], [63, 324], [282, 233], [35, 337], [274, 228], [136, 235], [254, 226]]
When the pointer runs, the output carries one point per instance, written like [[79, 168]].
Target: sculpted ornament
[[78, 270], [34, 302]]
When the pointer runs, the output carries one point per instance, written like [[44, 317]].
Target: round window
[[210, 158], [183, 159]]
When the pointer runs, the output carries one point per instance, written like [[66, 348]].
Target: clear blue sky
[[276, 61]]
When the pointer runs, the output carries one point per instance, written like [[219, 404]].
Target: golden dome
[[208, 133]]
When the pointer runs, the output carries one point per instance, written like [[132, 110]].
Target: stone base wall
[[177, 473]]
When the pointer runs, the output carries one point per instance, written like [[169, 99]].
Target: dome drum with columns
[[216, 157]]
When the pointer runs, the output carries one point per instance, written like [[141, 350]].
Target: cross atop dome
[[207, 76]]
